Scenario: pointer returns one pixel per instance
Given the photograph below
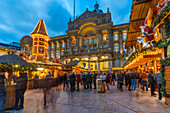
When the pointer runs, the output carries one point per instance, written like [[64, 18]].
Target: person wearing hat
[[2, 92]]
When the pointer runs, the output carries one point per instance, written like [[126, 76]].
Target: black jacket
[[2, 85], [21, 82], [151, 78]]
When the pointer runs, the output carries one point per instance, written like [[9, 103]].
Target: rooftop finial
[[96, 6], [107, 10]]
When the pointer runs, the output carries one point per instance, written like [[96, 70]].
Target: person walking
[[89, 80], [126, 79], [157, 78], [21, 86], [84, 80], [119, 80], [78, 81], [113, 78], [72, 82], [108, 81], [94, 80], [133, 80], [129, 80], [2, 92], [36, 77], [151, 82], [65, 80], [144, 80]]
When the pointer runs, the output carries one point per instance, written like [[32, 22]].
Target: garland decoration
[[163, 13], [163, 81]]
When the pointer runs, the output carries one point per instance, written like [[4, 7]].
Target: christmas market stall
[[149, 40], [12, 63], [75, 66]]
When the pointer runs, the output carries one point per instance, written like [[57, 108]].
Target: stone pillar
[[49, 44], [110, 39], [120, 42], [77, 44], [65, 45], [80, 44], [69, 48], [110, 64], [98, 63], [89, 65], [54, 51], [60, 45], [100, 40]]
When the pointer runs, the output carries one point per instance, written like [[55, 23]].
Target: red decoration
[[56, 60]]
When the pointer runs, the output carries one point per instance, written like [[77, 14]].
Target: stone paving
[[89, 101]]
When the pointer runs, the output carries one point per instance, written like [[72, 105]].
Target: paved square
[[89, 101]]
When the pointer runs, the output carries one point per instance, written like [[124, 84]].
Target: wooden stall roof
[[138, 14], [13, 59], [72, 63]]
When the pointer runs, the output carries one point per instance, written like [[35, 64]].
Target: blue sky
[[19, 17]]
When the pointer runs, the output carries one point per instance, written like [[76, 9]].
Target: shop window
[[124, 36], [116, 48], [117, 63], [116, 37], [105, 37]]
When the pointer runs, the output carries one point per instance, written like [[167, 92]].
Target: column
[[100, 40], [65, 45], [54, 51], [80, 44], [77, 44], [60, 45], [110, 64], [49, 44], [120, 42], [110, 39], [69, 41], [98, 70], [89, 65]]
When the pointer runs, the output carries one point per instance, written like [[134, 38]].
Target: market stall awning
[[137, 18], [72, 63], [143, 58], [13, 59]]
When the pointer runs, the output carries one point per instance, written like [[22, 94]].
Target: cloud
[[6, 28]]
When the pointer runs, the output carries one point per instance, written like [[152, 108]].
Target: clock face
[[41, 50]]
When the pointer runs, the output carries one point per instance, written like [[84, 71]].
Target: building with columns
[[90, 37]]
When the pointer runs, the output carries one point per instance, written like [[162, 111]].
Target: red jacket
[[78, 78]]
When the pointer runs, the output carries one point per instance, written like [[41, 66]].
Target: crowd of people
[[132, 79]]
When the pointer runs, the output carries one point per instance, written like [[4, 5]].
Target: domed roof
[[96, 6]]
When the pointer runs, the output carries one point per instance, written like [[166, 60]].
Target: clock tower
[[40, 42]]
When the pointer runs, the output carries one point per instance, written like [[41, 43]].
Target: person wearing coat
[[2, 92], [78, 81], [89, 80], [108, 81], [94, 80], [84, 80], [21, 86], [72, 82], [151, 82], [157, 78]]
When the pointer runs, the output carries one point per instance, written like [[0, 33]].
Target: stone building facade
[[91, 36]]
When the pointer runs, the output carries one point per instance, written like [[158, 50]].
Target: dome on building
[[97, 10]]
